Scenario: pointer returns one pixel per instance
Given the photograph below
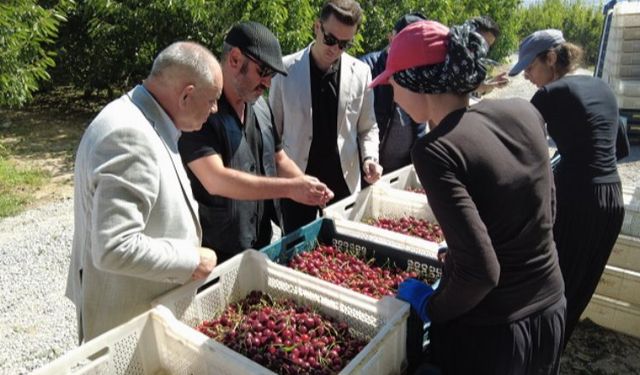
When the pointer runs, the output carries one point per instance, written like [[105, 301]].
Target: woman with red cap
[[581, 113], [500, 306]]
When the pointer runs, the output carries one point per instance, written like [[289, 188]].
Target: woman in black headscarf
[[500, 306]]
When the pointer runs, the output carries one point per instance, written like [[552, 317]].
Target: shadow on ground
[[46, 133], [595, 350]]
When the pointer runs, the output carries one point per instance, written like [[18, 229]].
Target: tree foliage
[[110, 44], [26, 30], [580, 22]]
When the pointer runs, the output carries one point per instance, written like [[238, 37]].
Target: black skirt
[[587, 224]]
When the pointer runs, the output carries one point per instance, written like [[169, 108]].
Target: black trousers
[[587, 225], [532, 345]]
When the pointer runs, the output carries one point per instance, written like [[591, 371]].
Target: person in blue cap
[[581, 113]]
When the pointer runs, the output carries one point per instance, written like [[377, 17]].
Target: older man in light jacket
[[137, 233], [324, 112]]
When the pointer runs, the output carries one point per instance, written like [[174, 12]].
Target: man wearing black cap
[[236, 163], [398, 131]]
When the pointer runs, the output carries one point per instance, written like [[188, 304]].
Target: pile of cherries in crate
[[283, 336], [349, 271], [411, 226]]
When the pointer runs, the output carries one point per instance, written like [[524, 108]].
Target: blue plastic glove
[[417, 293]]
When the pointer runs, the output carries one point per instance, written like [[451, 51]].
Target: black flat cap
[[256, 40]]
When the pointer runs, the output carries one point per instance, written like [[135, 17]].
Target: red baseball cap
[[420, 43]]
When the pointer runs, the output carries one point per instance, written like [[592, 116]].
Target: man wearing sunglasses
[[236, 163], [323, 110]]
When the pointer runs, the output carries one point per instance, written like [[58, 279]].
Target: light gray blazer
[[136, 225], [290, 100]]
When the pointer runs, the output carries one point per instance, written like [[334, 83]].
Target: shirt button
[[252, 168], [310, 137]]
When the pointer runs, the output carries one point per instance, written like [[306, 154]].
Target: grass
[[17, 186]]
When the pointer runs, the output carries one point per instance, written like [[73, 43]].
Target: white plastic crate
[[621, 284], [405, 244], [624, 58], [151, 344], [401, 178], [624, 87], [384, 322], [620, 45], [625, 33], [614, 314], [628, 102], [626, 14], [377, 201], [404, 179], [631, 223], [616, 69], [626, 253]]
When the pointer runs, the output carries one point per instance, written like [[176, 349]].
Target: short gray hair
[[190, 56]]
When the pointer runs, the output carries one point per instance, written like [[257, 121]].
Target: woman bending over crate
[[581, 113]]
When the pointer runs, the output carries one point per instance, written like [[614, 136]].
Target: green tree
[[580, 22], [110, 44], [27, 30]]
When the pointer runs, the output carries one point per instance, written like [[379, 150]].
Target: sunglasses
[[263, 69], [331, 40]]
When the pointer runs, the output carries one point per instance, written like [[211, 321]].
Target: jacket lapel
[[164, 128], [304, 78], [346, 76]]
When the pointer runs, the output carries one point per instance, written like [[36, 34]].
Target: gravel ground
[[37, 323]]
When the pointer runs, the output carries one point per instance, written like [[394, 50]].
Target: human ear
[[551, 58], [186, 93]]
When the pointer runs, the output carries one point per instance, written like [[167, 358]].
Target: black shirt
[[582, 119], [222, 228], [488, 179], [324, 158]]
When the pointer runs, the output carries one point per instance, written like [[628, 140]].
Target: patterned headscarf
[[461, 72]]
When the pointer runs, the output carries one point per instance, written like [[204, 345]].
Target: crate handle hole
[[207, 285], [294, 243], [92, 362]]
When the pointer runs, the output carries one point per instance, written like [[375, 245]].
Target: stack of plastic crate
[[352, 214], [621, 61]]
